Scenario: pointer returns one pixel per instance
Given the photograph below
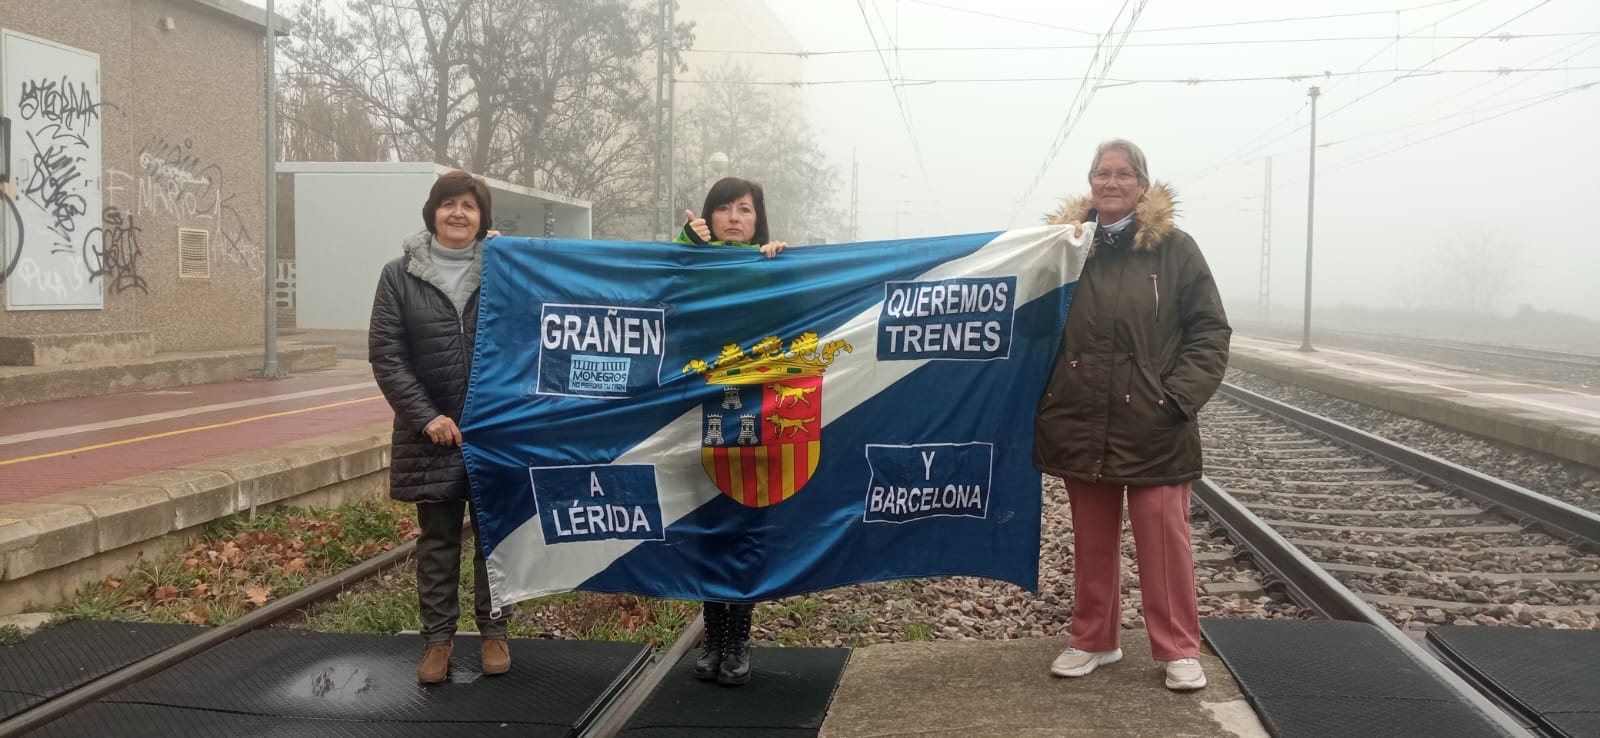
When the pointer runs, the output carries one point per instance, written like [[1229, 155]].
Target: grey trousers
[[439, 574]]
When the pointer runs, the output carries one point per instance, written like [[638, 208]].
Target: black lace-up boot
[[716, 617], [735, 668]]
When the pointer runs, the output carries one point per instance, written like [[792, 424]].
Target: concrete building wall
[[739, 25], [182, 146]]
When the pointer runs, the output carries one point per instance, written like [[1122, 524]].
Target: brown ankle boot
[[496, 656], [435, 663]]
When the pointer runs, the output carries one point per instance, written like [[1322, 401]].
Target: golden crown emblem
[[768, 361]]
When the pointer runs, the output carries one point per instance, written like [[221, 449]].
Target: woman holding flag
[[734, 214], [424, 322]]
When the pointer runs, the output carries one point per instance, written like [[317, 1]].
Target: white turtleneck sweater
[[452, 265]]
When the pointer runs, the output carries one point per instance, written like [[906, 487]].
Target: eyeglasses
[[1102, 177]]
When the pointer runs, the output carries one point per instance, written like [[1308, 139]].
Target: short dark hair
[[456, 182], [727, 190]]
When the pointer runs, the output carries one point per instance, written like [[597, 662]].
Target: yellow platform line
[[182, 431]]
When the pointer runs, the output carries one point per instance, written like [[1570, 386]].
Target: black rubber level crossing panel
[[788, 696], [1329, 679], [115, 719], [1554, 674], [61, 658], [293, 683]]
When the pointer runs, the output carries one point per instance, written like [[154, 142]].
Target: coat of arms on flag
[[762, 436]]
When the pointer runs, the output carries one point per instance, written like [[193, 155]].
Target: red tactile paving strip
[[85, 410], [30, 480], [356, 404]]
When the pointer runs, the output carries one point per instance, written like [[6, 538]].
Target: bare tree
[[766, 140], [552, 94], [1468, 273], [312, 127]]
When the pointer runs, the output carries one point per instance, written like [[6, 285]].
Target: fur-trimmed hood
[[1152, 217], [420, 265]]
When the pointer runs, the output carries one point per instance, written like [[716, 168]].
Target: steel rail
[[1577, 526], [615, 714], [66, 702], [1312, 586]]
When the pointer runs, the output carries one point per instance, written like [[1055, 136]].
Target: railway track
[[1421, 539], [605, 718], [1357, 528]]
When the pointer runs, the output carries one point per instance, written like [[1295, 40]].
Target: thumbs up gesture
[[697, 226]]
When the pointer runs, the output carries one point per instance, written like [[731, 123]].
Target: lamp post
[[269, 364], [1311, 206]]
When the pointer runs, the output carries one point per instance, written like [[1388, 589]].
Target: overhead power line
[[1230, 24], [1538, 100], [1243, 153], [1297, 19], [899, 101], [1440, 57], [1115, 82], [1013, 19], [1474, 110], [1154, 44], [1541, 60], [1246, 155], [1084, 95]]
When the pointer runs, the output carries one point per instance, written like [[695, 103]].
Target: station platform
[[1283, 678], [87, 485], [1559, 421]]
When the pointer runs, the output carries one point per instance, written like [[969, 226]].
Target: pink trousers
[[1160, 518]]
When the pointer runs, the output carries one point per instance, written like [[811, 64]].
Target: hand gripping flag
[[706, 423]]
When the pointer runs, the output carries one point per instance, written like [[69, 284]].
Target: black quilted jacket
[[420, 347]]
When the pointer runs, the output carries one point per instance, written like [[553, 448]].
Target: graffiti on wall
[[176, 182], [56, 119], [52, 92], [111, 253]]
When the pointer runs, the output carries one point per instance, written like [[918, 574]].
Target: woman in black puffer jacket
[[424, 321]]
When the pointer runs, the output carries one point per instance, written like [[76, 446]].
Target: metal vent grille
[[194, 253]]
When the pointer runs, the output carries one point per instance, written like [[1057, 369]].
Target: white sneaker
[[1075, 663], [1184, 675]]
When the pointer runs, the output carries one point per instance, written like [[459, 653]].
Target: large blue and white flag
[[706, 423]]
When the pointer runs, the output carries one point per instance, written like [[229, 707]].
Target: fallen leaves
[[257, 594], [219, 578]]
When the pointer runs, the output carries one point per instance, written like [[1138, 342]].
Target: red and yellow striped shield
[[761, 442]]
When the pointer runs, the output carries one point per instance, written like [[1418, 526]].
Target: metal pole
[[1264, 289], [670, 40], [661, 168], [1311, 205], [855, 202], [269, 366]]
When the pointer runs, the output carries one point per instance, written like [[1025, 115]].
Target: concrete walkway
[[1004, 689], [1558, 421]]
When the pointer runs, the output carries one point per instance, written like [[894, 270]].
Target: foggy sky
[[1524, 177]]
